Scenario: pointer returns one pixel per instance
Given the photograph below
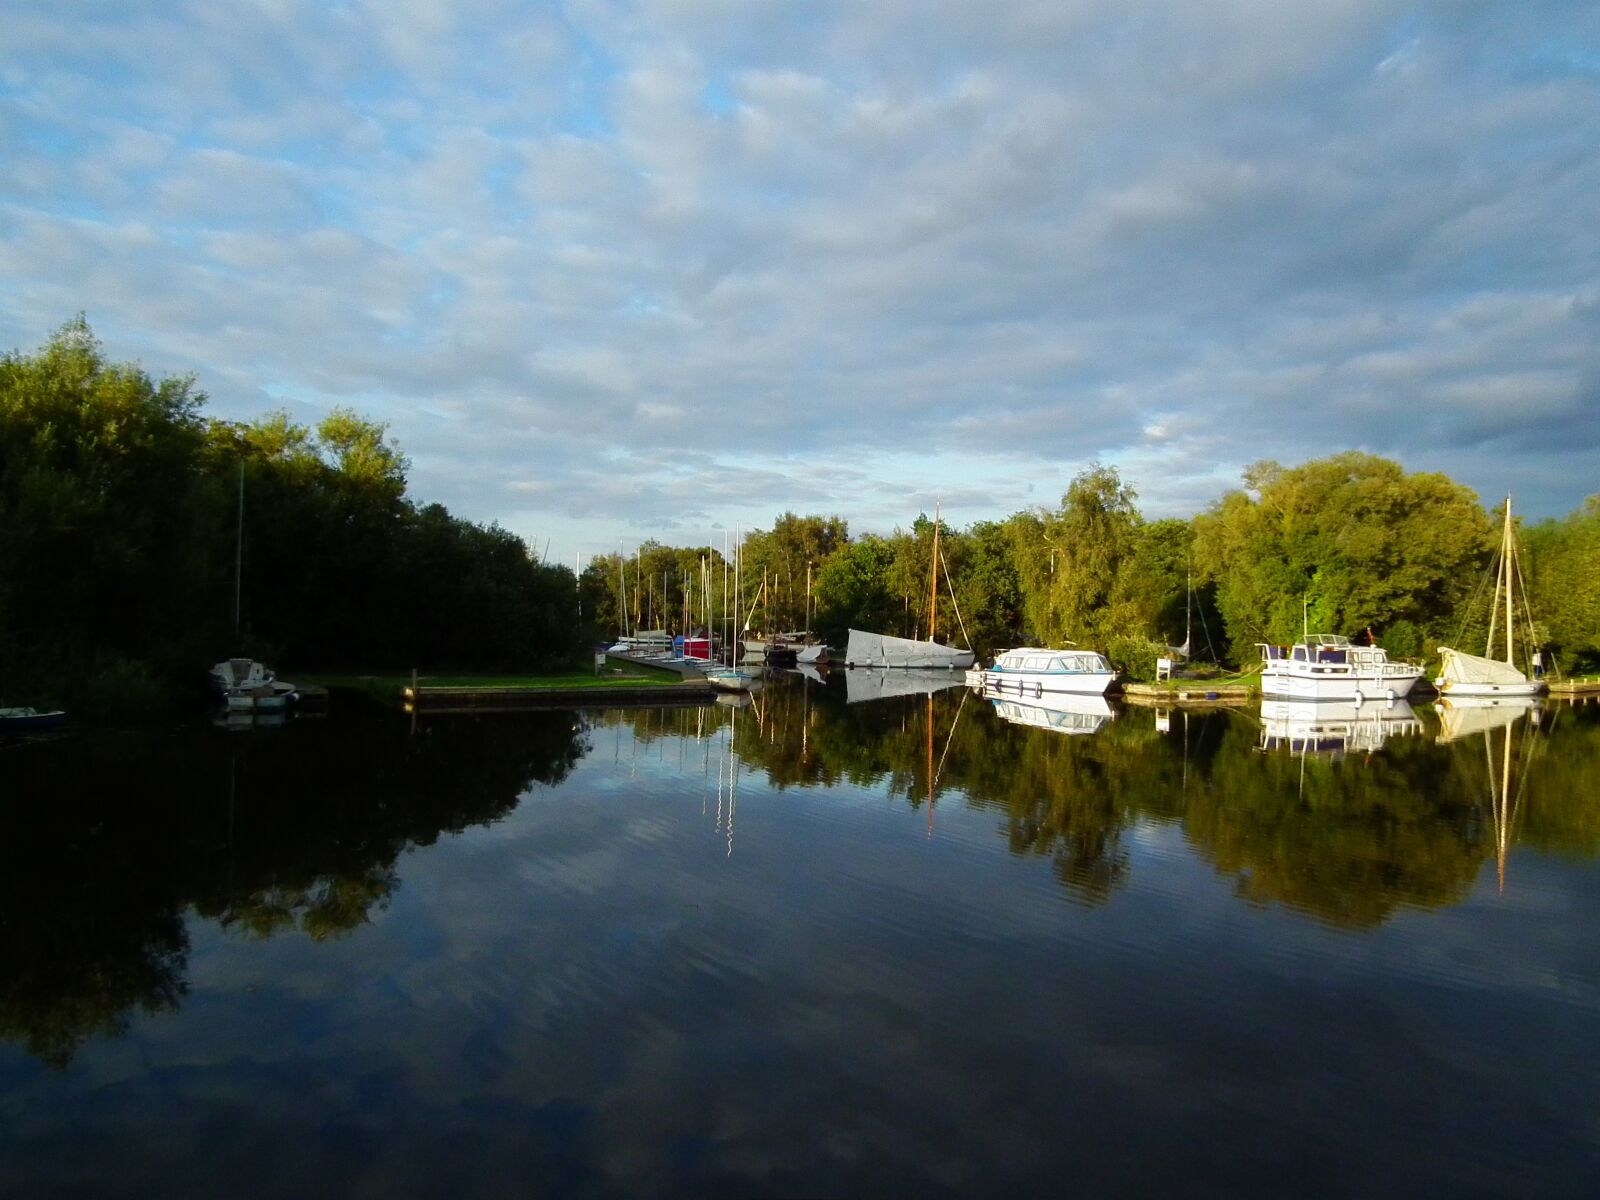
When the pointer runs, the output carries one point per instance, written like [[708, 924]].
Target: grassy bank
[[386, 689]]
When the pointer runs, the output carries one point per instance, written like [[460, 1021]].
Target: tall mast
[[1508, 553], [238, 556], [933, 583]]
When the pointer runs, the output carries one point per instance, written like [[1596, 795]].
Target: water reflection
[[109, 843], [1061, 712], [1333, 727]]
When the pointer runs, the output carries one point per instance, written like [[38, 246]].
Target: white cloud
[[950, 238]]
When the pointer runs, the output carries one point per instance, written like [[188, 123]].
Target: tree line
[[142, 540], [1349, 544]]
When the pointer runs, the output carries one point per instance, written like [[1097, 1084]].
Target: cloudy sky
[[613, 269]]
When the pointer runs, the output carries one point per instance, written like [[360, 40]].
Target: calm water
[[710, 951]]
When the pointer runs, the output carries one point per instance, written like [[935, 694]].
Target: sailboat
[[864, 649], [728, 677], [1481, 675], [244, 684]]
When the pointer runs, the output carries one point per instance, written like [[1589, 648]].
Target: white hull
[[1037, 671], [1038, 684], [1353, 687], [1489, 691], [240, 701], [1330, 668], [733, 681]]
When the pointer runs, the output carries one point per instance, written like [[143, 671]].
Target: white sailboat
[[863, 649], [1481, 675]]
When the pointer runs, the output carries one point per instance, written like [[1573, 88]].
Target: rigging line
[[1472, 605], [950, 737], [950, 587]]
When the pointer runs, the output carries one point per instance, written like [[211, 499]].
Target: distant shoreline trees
[[120, 528]]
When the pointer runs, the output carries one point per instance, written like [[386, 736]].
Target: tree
[[1353, 539]]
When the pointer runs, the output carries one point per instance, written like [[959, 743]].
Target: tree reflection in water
[[109, 842]]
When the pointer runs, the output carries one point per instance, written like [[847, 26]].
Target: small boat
[[1473, 675], [644, 643], [812, 654], [1037, 672], [30, 720], [247, 684], [863, 649], [732, 679], [1327, 666]]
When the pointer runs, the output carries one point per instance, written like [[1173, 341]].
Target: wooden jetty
[[1190, 694], [1580, 690]]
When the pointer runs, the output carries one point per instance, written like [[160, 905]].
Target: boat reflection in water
[[863, 684], [1333, 728], [1060, 711], [1464, 716], [1496, 719]]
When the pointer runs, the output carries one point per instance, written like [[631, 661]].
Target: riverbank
[[625, 683]]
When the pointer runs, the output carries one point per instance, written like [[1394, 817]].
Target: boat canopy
[[880, 650], [1470, 668]]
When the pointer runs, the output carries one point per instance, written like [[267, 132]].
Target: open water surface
[[714, 951]]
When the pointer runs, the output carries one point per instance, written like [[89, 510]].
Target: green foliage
[[1352, 538], [1563, 576], [1135, 657], [853, 589], [120, 516]]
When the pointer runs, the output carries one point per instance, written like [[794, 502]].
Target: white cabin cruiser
[[1327, 666], [1035, 671]]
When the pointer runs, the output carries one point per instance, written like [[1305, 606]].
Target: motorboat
[[246, 684], [30, 720], [1035, 671], [1327, 666]]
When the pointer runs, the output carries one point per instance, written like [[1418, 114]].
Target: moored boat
[[30, 720], [1475, 675], [864, 649], [1328, 666], [732, 679], [246, 684], [1035, 671]]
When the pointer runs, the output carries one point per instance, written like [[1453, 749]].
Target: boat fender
[[1360, 698]]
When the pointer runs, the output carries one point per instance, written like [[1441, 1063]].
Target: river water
[[724, 950]]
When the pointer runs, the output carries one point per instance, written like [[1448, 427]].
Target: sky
[[612, 270]]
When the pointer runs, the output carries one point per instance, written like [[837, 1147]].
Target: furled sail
[[880, 650], [1471, 669]]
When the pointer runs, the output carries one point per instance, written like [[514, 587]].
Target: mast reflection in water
[[1233, 951]]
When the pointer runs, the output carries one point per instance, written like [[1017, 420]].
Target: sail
[[1471, 669], [880, 650]]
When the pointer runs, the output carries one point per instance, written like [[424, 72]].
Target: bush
[[121, 687], [1135, 657]]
